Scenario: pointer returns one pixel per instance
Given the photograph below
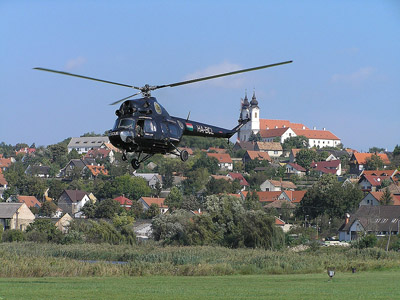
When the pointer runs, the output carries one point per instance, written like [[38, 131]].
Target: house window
[[255, 115]]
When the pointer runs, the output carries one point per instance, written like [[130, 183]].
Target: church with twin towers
[[279, 130]]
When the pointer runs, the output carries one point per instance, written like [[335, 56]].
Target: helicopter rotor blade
[[126, 98], [86, 77], [220, 75]]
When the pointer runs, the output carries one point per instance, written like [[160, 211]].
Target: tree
[[107, 209], [305, 157], [174, 199], [252, 201], [47, 209], [255, 137], [386, 198], [396, 151], [89, 209], [209, 163], [295, 142], [374, 163], [376, 150], [330, 197], [46, 228]]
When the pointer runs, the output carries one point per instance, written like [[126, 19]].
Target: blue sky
[[345, 76]]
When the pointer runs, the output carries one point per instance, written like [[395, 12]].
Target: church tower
[[249, 110], [255, 114]]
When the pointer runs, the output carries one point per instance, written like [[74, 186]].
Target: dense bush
[[13, 235], [226, 223], [367, 241], [42, 230]]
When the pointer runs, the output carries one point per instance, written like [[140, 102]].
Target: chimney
[[314, 128], [347, 219], [324, 129]]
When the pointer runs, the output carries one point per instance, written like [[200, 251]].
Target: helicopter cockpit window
[[149, 126], [127, 123], [174, 131]]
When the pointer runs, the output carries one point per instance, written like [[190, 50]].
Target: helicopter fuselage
[[144, 126]]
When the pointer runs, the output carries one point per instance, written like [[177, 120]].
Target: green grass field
[[361, 285]]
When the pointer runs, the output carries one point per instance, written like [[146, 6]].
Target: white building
[[280, 130], [84, 144]]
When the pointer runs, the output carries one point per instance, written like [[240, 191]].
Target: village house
[[146, 202], [124, 202], [151, 178], [372, 183], [216, 150], [378, 220], [63, 223], [293, 168], [3, 184], [276, 185], [38, 171], [95, 171], [101, 154], [272, 148], [358, 161], [30, 201], [15, 216], [5, 163], [328, 167], [242, 181], [72, 201], [224, 160], [243, 145], [252, 155], [292, 155], [84, 144], [374, 199]]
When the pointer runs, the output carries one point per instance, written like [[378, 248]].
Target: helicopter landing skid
[[137, 161], [183, 154]]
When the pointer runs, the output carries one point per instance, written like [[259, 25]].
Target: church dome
[[245, 102], [254, 101]]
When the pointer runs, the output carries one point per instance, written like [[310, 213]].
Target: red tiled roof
[[216, 177], [279, 222], [97, 170], [5, 162], [3, 180], [378, 196], [295, 196], [239, 177], [98, 152], [269, 133], [271, 124], [361, 158], [159, 201], [217, 150], [30, 201], [316, 134], [123, 200], [259, 155], [381, 173], [373, 180], [268, 196], [283, 184], [222, 157], [297, 167]]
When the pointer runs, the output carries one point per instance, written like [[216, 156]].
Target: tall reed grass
[[28, 259]]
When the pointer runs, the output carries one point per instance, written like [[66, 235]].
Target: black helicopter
[[145, 128]]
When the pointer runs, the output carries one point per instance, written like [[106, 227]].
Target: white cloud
[[356, 77], [234, 81], [75, 63]]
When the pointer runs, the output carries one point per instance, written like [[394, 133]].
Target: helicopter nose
[[126, 136]]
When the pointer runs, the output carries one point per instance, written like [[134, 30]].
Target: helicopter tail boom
[[194, 128]]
